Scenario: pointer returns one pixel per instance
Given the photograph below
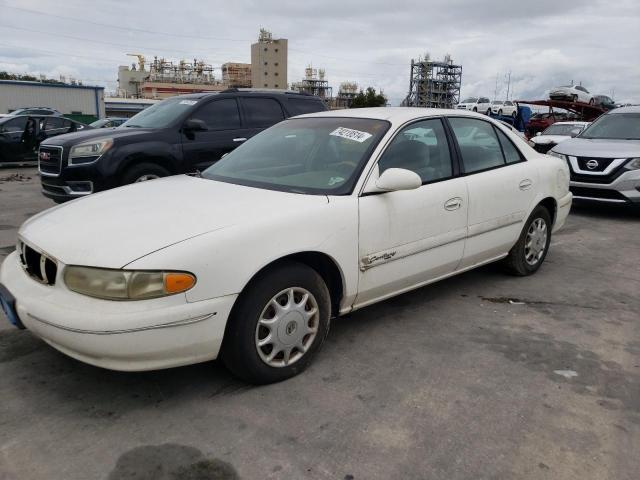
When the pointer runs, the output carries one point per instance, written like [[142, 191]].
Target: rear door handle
[[525, 184], [241, 139], [453, 204]]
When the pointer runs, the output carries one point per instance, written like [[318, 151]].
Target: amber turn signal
[[178, 282]]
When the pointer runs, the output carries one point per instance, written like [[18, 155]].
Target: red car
[[540, 121]]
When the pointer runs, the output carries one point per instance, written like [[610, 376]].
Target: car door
[[12, 146], [408, 238], [53, 126], [501, 186], [223, 132], [260, 113]]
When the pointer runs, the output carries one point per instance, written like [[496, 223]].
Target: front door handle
[[241, 139], [453, 204], [525, 184]]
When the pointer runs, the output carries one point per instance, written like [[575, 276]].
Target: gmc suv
[[183, 134]]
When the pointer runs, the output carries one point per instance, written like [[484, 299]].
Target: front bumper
[[128, 336], [624, 190]]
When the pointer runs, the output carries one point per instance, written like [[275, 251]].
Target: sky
[[542, 43]]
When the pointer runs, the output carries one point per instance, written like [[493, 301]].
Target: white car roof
[[631, 109], [396, 115], [570, 123]]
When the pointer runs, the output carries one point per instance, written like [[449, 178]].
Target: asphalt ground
[[481, 376]]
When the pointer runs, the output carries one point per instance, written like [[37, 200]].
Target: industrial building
[[236, 75], [346, 93], [269, 61], [80, 102], [165, 78], [313, 83], [434, 84]]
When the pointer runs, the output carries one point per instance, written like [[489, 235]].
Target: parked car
[[541, 121], [572, 93], [21, 135], [183, 134], [109, 122], [604, 101], [507, 107], [605, 158], [315, 217], [476, 104], [36, 111], [556, 133]]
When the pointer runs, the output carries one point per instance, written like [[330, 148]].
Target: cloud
[[543, 43]]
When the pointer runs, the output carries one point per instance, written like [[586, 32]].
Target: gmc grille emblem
[[592, 164], [45, 156]]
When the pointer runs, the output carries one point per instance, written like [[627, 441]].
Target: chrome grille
[[50, 160], [38, 265]]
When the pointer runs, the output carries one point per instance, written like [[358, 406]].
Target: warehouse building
[[79, 102]]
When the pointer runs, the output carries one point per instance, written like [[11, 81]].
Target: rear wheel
[[278, 324], [143, 172], [592, 101], [514, 114], [574, 98], [475, 109], [529, 252], [500, 112]]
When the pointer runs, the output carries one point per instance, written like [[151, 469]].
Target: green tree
[[368, 99]]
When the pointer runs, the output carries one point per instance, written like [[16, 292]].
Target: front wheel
[[142, 173], [475, 109], [529, 252], [278, 324], [592, 102], [500, 112]]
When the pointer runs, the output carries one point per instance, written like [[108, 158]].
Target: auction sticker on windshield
[[350, 134]]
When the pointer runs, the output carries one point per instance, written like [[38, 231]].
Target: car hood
[[69, 139], [113, 228], [600, 148], [546, 139]]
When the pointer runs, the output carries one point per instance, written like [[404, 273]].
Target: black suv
[[183, 134]]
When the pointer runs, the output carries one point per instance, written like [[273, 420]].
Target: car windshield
[[618, 126], [161, 114], [307, 155], [470, 100], [496, 102], [562, 129]]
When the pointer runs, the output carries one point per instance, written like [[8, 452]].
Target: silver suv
[[605, 158]]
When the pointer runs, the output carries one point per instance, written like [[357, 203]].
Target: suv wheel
[[500, 112], [143, 172], [529, 252], [475, 109], [278, 324]]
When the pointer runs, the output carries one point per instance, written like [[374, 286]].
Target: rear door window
[[298, 106], [478, 144], [511, 153], [13, 126], [262, 112], [220, 114]]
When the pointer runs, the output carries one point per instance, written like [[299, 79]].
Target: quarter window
[[421, 147], [219, 114], [478, 144], [511, 153], [262, 112]]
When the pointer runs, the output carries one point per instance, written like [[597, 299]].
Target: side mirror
[[194, 125], [394, 179], [538, 134]]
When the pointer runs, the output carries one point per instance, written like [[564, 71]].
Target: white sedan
[[572, 93], [313, 218]]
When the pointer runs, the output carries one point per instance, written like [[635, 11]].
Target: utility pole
[[495, 92], [508, 84]]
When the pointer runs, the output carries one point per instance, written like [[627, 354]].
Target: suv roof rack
[[262, 90]]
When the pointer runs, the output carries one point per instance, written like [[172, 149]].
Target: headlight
[[126, 284], [556, 154], [89, 152], [633, 164]]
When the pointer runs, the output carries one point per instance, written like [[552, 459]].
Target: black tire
[[592, 102], [574, 98], [488, 112], [515, 263], [514, 114], [500, 112], [132, 174], [475, 109], [239, 350]]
